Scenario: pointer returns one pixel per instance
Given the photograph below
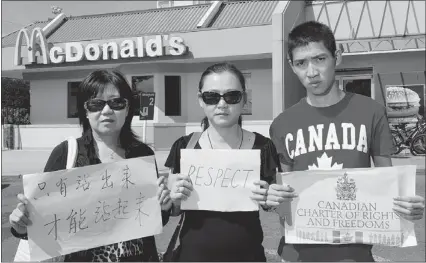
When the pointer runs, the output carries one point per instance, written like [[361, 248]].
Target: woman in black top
[[223, 236], [105, 108]]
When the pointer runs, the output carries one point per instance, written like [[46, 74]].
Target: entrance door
[[360, 84]]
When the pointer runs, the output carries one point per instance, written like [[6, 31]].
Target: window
[[72, 99], [172, 95], [141, 84], [360, 84]]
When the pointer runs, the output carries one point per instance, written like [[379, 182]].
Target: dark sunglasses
[[230, 97], [95, 105]]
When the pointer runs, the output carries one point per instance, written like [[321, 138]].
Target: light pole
[[56, 9]]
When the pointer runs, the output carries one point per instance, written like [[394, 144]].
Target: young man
[[331, 129]]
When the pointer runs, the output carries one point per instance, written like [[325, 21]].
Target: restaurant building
[[165, 50]]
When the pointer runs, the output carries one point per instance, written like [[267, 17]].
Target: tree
[[15, 101]]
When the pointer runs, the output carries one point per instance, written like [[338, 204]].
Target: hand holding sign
[[410, 208], [81, 208], [19, 218], [163, 194], [260, 192], [351, 206], [181, 189], [278, 194]]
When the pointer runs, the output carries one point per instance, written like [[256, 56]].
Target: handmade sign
[[81, 208], [222, 179], [349, 206]]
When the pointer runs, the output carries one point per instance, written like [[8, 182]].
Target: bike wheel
[[397, 141], [418, 145]]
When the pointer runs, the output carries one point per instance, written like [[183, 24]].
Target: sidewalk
[[17, 162]]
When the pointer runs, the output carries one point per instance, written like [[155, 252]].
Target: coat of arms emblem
[[346, 188]]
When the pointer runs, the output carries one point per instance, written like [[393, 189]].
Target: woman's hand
[[181, 189], [409, 207], [19, 218], [272, 195], [278, 194], [163, 194], [260, 193]]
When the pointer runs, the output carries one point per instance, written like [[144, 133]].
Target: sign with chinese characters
[[81, 208], [348, 206], [147, 106], [222, 179]]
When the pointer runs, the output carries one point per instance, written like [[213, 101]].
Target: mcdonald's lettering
[[157, 46], [31, 46]]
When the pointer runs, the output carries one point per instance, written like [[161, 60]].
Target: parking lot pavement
[[20, 162], [32, 161]]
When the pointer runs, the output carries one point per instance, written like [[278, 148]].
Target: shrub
[[15, 100]]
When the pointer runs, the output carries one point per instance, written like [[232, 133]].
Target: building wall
[[46, 136], [49, 91], [51, 126], [48, 96], [260, 83], [390, 69]]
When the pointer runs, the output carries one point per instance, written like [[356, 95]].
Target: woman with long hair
[[223, 236], [105, 110]]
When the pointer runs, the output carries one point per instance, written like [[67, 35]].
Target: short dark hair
[[309, 32], [220, 68], [95, 83]]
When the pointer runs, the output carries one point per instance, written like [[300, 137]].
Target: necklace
[[241, 143], [113, 155]]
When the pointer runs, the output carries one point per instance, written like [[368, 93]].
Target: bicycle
[[403, 136], [418, 144]]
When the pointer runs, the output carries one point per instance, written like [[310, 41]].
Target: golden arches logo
[[31, 46]]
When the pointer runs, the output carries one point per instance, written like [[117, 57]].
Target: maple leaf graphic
[[324, 163]]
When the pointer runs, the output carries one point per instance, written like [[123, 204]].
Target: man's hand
[[409, 207]]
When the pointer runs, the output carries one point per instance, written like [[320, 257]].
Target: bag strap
[[168, 255], [193, 141], [172, 245], [72, 152]]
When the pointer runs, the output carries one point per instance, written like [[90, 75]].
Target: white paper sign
[[349, 206], [222, 179], [81, 208]]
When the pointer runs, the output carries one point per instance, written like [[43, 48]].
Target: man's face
[[315, 66]]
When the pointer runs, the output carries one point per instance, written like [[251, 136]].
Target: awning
[[370, 26]]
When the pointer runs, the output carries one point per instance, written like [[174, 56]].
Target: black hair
[[309, 32], [96, 82], [220, 68]]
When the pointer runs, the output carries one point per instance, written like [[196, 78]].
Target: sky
[[17, 14]]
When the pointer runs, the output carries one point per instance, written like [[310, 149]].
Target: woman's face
[[107, 118], [220, 112]]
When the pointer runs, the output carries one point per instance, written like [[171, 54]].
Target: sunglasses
[[230, 97], [95, 105]]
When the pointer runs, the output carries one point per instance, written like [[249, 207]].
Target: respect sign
[[82, 208], [222, 179], [349, 206]]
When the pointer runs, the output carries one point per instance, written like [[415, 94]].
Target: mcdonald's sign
[[31, 46], [155, 46]]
